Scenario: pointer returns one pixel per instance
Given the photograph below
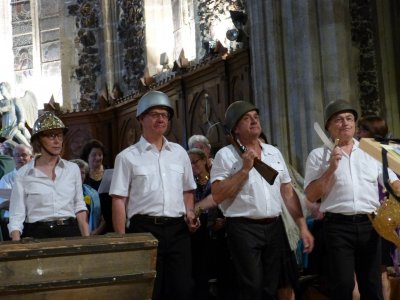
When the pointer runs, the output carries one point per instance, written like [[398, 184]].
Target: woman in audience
[[212, 266], [93, 154], [202, 143], [97, 224]]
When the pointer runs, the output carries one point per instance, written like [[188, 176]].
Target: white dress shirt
[[355, 187], [257, 198], [153, 181], [6, 182], [36, 197]]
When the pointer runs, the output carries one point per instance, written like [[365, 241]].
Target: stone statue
[[15, 113]]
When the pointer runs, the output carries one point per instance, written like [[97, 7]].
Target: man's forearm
[[320, 187], [228, 188]]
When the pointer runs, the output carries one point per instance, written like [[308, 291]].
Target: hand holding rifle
[[267, 172]]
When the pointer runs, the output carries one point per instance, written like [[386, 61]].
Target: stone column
[[301, 59], [108, 29], [388, 28]]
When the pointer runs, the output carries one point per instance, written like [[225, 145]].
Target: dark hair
[[263, 137], [375, 125], [89, 146]]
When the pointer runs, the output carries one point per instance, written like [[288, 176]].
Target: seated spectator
[[202, 143], [6, 162], [93, 154], [22, 154], [97, 225]]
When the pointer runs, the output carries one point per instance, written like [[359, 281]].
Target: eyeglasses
[[156, 115], [195, 161], [23, 155], [52, 136]]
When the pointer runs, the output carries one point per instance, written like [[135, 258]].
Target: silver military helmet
[[153, 99], [47, 121], [235, 112], [337, 106]]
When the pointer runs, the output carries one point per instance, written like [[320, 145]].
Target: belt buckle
[[61, 222]]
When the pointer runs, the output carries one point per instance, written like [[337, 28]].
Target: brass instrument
[[386, 219]]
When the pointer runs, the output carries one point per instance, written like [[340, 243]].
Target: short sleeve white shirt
[[355, 187], [153, 181], [36, 197], [257, 198], [6, 182]]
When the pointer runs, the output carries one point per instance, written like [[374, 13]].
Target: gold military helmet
[[47, 121]]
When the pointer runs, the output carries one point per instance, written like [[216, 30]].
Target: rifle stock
[[267, 172]]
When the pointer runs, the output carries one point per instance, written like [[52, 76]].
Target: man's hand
[[192, 222], [15, 235], [308, 240], [336, 156], [248, 160]]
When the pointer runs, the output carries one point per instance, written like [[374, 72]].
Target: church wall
[[199, 96]]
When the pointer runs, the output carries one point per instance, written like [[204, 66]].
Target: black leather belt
[[254, 221], [57, 222], [357, 218], [157, 220]]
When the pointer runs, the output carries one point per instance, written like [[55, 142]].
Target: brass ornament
[[48, 121]]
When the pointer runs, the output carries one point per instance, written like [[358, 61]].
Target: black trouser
[[42, 230], [353, 246], [256, 250], [174, 262], [4, 229]]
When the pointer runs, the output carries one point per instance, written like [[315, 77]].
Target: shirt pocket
[[175, 176], [368, 172], [38, 195], [145, 178]]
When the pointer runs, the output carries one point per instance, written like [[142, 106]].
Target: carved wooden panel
[[200, 98]]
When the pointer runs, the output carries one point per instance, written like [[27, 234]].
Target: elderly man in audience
[[22, 154]]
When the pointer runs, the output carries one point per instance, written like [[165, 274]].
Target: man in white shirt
[[152, 187], [22, 154], [346, 179], [252, 207]]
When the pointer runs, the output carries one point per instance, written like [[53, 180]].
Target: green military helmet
[[337, 106], [235, 112], [47, 121], [153, 99]]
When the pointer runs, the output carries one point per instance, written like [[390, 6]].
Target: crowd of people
[[222, 225]]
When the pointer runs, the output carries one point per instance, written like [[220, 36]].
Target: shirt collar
[[144, 145], [31, 165], [265, 149], [356, 144]]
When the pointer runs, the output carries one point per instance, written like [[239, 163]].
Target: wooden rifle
[[267, 172]]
